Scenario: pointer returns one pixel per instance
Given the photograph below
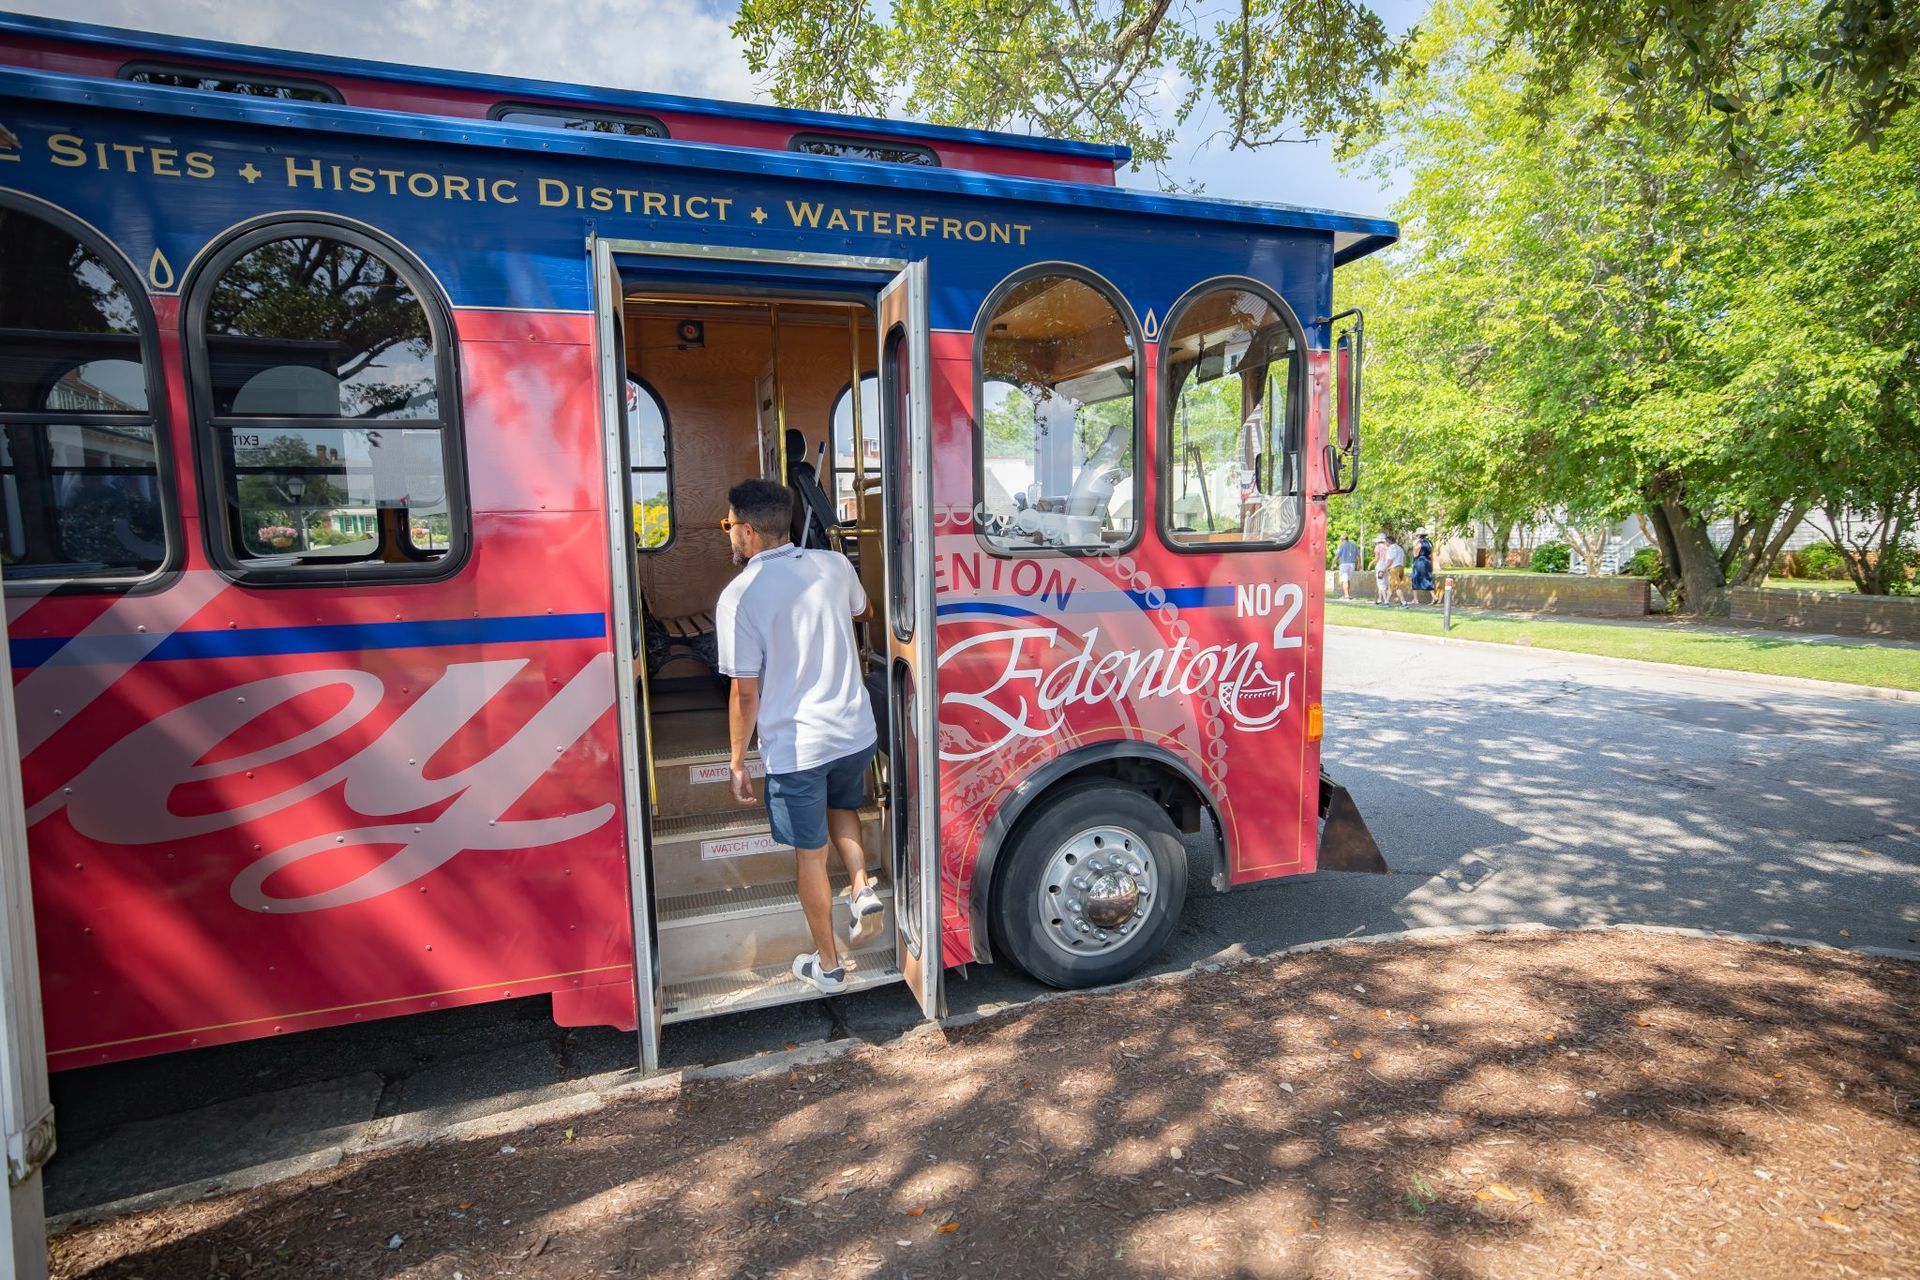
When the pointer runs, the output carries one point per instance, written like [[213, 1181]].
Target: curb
[[1795, 684], [595, 1093]]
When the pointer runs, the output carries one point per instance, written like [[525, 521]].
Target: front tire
[[1094, 886]]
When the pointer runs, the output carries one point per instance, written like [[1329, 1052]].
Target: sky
[[661, 46]]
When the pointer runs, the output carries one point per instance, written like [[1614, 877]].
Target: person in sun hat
[[1423, 567]]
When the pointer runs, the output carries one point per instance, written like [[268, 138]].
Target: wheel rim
[[1097, 891]]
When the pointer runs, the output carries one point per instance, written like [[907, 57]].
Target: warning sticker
[[741, 846], [720, 773]]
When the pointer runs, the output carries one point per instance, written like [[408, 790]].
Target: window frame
[[800, 142], [634, 468], [1167, 403], [982, 332], [499, 111], [128, 72], [155, 417], [216, 516], [833, 412]]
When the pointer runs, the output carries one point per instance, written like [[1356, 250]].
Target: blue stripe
[[977, 606], [342, 638]]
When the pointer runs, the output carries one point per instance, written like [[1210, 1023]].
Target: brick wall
[[1553, 593], [1835, 613]]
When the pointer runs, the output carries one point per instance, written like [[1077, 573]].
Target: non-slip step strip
[[772, 985], [756, 900], [702, 734], [743, 820]]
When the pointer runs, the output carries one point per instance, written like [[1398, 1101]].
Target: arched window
[[846, 469], [81, 487], [328, 409], [1230, 459], [1057, 424], [650, 467]]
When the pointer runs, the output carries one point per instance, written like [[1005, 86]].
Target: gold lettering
[[602, 199], [882, 222], [804, 214], [928, 222], [69, 152], [860, 220], [950, 228], [457, 187], [432, 187], [553, 192], [199, 164], [129, 151], [1022, 228], [393, 177], [701, 212], [360, 180], [503, 191], [164, 162], [722, 202], [626, 195], [296, 171], [976, 231], [836, 221]]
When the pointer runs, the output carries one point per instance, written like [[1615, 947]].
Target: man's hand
[[743, 709], [742, 784]]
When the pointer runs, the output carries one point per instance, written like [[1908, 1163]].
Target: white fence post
[[25, 1108]]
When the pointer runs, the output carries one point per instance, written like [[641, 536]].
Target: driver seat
[[813, 520]]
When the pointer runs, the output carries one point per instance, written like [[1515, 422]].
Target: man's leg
[[843, 832], [816, 899]]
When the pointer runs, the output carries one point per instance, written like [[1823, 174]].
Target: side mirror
[[1343, 451]]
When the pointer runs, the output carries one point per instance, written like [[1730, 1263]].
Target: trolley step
[[694, 781], [769, 985], [704, 852], [703, 935]]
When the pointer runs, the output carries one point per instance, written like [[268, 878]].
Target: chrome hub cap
[[1097, 890]]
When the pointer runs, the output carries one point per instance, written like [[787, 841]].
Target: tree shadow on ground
[[1515, 1105]]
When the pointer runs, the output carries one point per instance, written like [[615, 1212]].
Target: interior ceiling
[[1219, 317], [741, 310]]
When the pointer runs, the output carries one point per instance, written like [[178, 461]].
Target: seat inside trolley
[[720, 388]]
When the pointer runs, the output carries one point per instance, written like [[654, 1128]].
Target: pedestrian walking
[[784, 629], [1382, 552], [1347, 562], [1397, 575], [1423, 567]]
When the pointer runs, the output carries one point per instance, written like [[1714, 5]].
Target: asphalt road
[[1503, 785]]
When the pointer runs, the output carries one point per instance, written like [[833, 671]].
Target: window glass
[[1056, 419], [79, 464], [652, 477], [634, 126], [846, 471], [328, 425], [821, 144], [899, 478], [1232, 465], [225, 82]]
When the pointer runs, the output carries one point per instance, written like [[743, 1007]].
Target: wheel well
[[1169, 784]]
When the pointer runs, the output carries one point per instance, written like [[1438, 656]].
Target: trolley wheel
[[1094, 886]]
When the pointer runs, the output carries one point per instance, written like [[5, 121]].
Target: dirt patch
[[1523, 1105]]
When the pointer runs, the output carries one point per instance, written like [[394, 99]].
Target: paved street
[[1504, 786]]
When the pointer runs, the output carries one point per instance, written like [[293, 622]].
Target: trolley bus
[[364, 437]]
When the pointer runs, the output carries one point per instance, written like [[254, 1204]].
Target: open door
[[913, 800], [629, 658]]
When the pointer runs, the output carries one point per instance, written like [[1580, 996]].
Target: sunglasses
[[727, 523]]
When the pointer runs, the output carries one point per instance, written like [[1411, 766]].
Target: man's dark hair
[[767, 505]]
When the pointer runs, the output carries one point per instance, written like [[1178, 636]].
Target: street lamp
[[296, 486]]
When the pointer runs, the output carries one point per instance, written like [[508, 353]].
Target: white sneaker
[[866, 909], [807, 969]]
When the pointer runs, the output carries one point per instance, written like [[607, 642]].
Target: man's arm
[[743, 712]]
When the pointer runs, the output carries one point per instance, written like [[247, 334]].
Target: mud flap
[[1345, 842]]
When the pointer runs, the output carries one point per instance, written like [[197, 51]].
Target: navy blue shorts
[[797, 803]]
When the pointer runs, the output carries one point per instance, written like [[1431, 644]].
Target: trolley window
[[846, 472], [1057, 420], [1230, 459], [632, 125], [80, 470], [847, 148], [324, 383], [215, 80], [650, 463]]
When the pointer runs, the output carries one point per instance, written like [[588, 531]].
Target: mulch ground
[[1525, 1105]]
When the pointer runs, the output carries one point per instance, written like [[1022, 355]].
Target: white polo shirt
[[788, 620]]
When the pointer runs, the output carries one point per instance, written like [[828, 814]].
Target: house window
[[214, 80], [650, 464], [1057, 422], [81, 483], [323, 373], [614, 122], [848, 148], [1230, 458]]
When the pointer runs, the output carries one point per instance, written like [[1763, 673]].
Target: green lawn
[[1677, 643], [1812, 584]]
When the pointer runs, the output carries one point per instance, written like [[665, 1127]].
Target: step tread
[[739, 821], [768, 986], [761, 899]]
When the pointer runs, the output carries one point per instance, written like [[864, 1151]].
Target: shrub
[[1821, 560], [1644, 563], [1552, 557]]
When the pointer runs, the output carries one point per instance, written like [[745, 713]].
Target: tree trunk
[[1688, 557]]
